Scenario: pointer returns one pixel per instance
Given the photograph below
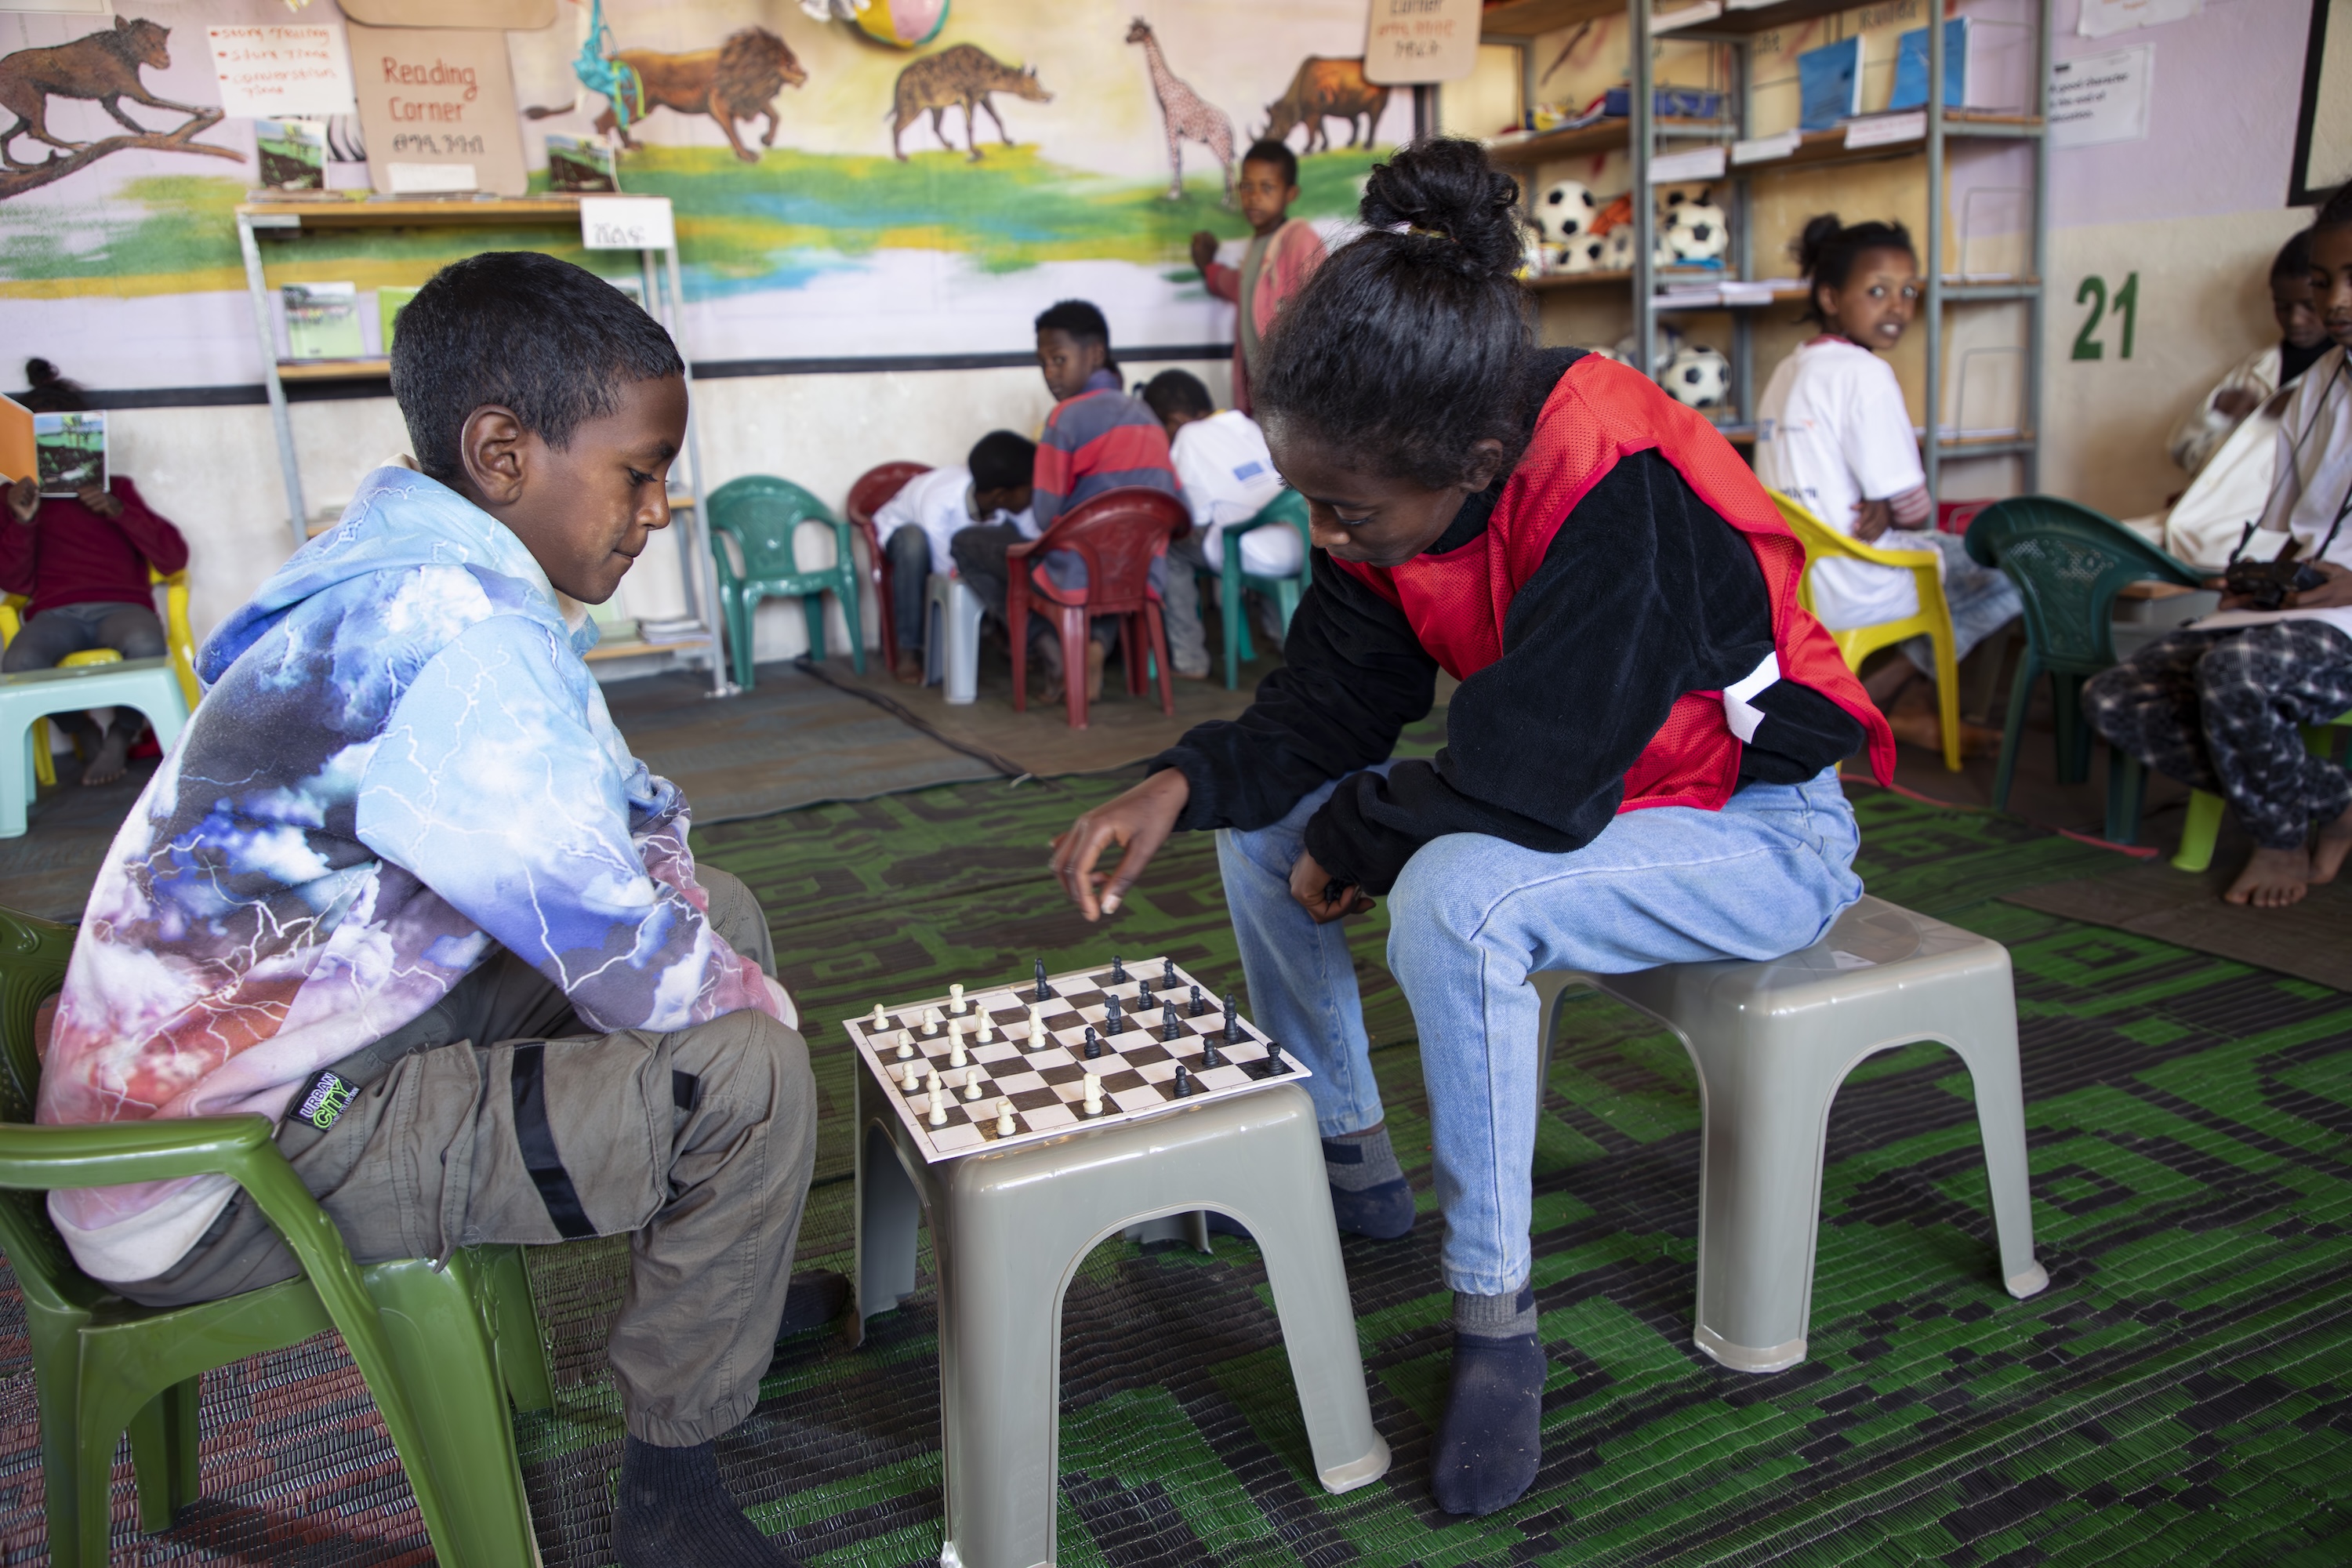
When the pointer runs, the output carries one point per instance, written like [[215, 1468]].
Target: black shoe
[[1491, 1438], [675, 1512], [814, 1300]]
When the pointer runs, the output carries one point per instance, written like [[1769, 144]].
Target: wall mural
[[836, 197]]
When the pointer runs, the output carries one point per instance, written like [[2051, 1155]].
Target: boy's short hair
[[1002, 460], [1278, 153], [1178, 391], [2294, 259], [2335, 212], [1080, 319], [550, 340]]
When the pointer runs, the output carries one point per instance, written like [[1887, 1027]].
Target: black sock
[[675, 1514], [1490, 1439]]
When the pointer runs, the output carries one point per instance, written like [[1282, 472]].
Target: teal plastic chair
[[149, 685], [1290, 508], [760, 514], [434, 1346], [2204, 829], [2068, 562]]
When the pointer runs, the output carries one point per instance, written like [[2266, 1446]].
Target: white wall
[[213, 471]]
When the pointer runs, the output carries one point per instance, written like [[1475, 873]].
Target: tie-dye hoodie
[[401, 760]]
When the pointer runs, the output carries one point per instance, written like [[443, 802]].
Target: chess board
[[1044, 1078]]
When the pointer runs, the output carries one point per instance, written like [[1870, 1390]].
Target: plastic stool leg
[[16, 784], [2013, 730], [964, 616], [888, 1210], [2126, 787], [1986, 1042], [2197, 835]]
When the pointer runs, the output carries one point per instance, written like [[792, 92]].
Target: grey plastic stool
[[1771, 1043], [952, 638], [1008, 1232]]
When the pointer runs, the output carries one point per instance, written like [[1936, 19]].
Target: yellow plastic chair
[[1858, 643], [180, 643]]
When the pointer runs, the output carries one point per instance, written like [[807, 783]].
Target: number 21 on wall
[[2124, 303]]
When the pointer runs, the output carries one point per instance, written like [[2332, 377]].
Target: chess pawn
[[1117, 971], [1094, 1044], [1209, 1056], [955, 997], [1093, 1104], [971, 1084], [987, 1033], [1273, 1062], [930, 1020], [1143, 991], [881, 1020], [1168, 975], [1004, 1128], [905, 1047], [1198, 1006], [1183, 1082]]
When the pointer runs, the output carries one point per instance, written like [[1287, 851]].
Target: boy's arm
[[17, 545], [1295, 260], [490, 787], [1051, 474], [1223, 282], [155, 539]]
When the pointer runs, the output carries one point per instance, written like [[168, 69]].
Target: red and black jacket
[[1597, 604]]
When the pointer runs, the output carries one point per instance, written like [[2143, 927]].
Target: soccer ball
[[1583, 254], [1698, 377], [1669, 342], [1565, 212], [1692, 231], [1617, 251]]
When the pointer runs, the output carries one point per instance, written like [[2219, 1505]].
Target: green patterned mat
[[2180, 1395]]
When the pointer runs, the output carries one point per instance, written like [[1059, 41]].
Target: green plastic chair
[[760, 514], [2203, 828], [1290, 506], [2068, 562], [434, 1344]]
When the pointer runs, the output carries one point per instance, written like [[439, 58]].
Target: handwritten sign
[[627, 223], [2097, 99], [435, 95], [1421, 40], [278, 73]]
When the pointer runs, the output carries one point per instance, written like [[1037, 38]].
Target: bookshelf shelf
[[1602, 136], [340, 211], [334, 369]]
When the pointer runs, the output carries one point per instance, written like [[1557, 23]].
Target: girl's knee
[[1440, 891]]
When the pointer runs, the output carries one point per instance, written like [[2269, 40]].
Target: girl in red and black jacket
[[1641, 766]]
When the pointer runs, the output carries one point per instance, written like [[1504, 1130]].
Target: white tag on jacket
[[1738, 711]]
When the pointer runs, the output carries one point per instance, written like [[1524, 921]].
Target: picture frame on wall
[[2323, 132]]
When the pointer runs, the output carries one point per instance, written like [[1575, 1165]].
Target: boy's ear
[[491, 449]]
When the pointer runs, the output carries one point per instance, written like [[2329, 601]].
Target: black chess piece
[[1143, 989], [1117, 971], [1168, 975], [1112, 1023], [1232, 1026], [1094, 1046], [1209, 1056], [1183, 1082], [1196, 1006], [1043, 990], [1273, 1062], [1169, 1026]]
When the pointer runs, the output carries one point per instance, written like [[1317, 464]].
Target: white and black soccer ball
[[1583, 254], [1696, 233], [1698, 377], [1669, 343], [1565, 211], [1618, 248]]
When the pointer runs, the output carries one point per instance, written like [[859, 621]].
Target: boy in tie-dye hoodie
[[402, 885]]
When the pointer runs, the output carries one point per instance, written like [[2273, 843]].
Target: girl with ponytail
[[1641, 766], [1833, 436]]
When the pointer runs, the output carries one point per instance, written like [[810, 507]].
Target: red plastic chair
[[1117, 534], [869, 495]]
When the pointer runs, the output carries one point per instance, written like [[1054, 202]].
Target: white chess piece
[[987, 1033], [1004, 1128], [1036, 1025], [930, 1020], [956, 1056], [971, 1084], [955, 997], [905, 1047], [1094, 1094], [881, 1019], [938, 1101]]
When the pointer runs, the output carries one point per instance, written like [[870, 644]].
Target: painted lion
[[739, 80]]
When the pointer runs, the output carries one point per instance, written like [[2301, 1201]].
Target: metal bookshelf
[[286, 221], [1734, 25]]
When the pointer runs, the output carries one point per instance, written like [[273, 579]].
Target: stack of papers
[[663, 630]]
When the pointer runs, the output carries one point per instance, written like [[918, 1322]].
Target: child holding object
[[2303, 338], [2220, 704], [1282, 253], [1833, 434], [83, 561], [1228, 478], [400, 869], [1642, 758], [918, 525]]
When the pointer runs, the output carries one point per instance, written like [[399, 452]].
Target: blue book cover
[[1911, 67], [1829, 80]]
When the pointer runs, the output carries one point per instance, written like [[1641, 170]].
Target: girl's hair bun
[[1443, 190], [39, 372]]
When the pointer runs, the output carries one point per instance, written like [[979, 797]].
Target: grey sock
[[1495, 1317], [1358, 1162]]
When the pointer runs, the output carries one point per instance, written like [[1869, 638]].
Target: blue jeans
[[1472, 917]]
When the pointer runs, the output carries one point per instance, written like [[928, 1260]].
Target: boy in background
[[402, 862], [1282, 251], [2303, 338], [82, 560], [1228, 478], [918, 527], [1097, 438]]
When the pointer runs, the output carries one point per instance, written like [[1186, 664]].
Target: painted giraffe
[[1187, 116]]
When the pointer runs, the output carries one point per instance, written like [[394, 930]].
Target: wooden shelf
[[1525, 18], [1739, 24], [633, 649], [1543, 282], [334, 369], [396, 212], [1602, 136]]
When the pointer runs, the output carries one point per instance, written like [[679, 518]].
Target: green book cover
[[580, 163], [389, 303], [72, 451], [322, 320], [293, 153]]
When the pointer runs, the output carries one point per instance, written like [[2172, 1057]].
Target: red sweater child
[[75, 553]]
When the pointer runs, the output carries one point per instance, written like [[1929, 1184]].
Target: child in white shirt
[[930, 509], [1834, 435], [1228, 478]]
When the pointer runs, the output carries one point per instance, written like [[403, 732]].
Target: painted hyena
[[961, 75]]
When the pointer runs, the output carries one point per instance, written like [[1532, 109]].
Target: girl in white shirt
[[1834, 435]]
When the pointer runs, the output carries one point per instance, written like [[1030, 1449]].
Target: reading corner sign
[[1421, 41]]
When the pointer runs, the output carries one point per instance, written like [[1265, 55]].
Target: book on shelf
[[389, 303], [580, 163], [70, 451], [293, 153], [1911, 67], [1829, 84], [322, 320]]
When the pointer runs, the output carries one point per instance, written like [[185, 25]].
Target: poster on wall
[[833, 199], [2102, 98]]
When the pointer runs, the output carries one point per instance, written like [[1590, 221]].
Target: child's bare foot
[[909, 670], [109, 764], [2327, 853], [2273, 879]]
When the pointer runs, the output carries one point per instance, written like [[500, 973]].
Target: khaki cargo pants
[[490, 1119]]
